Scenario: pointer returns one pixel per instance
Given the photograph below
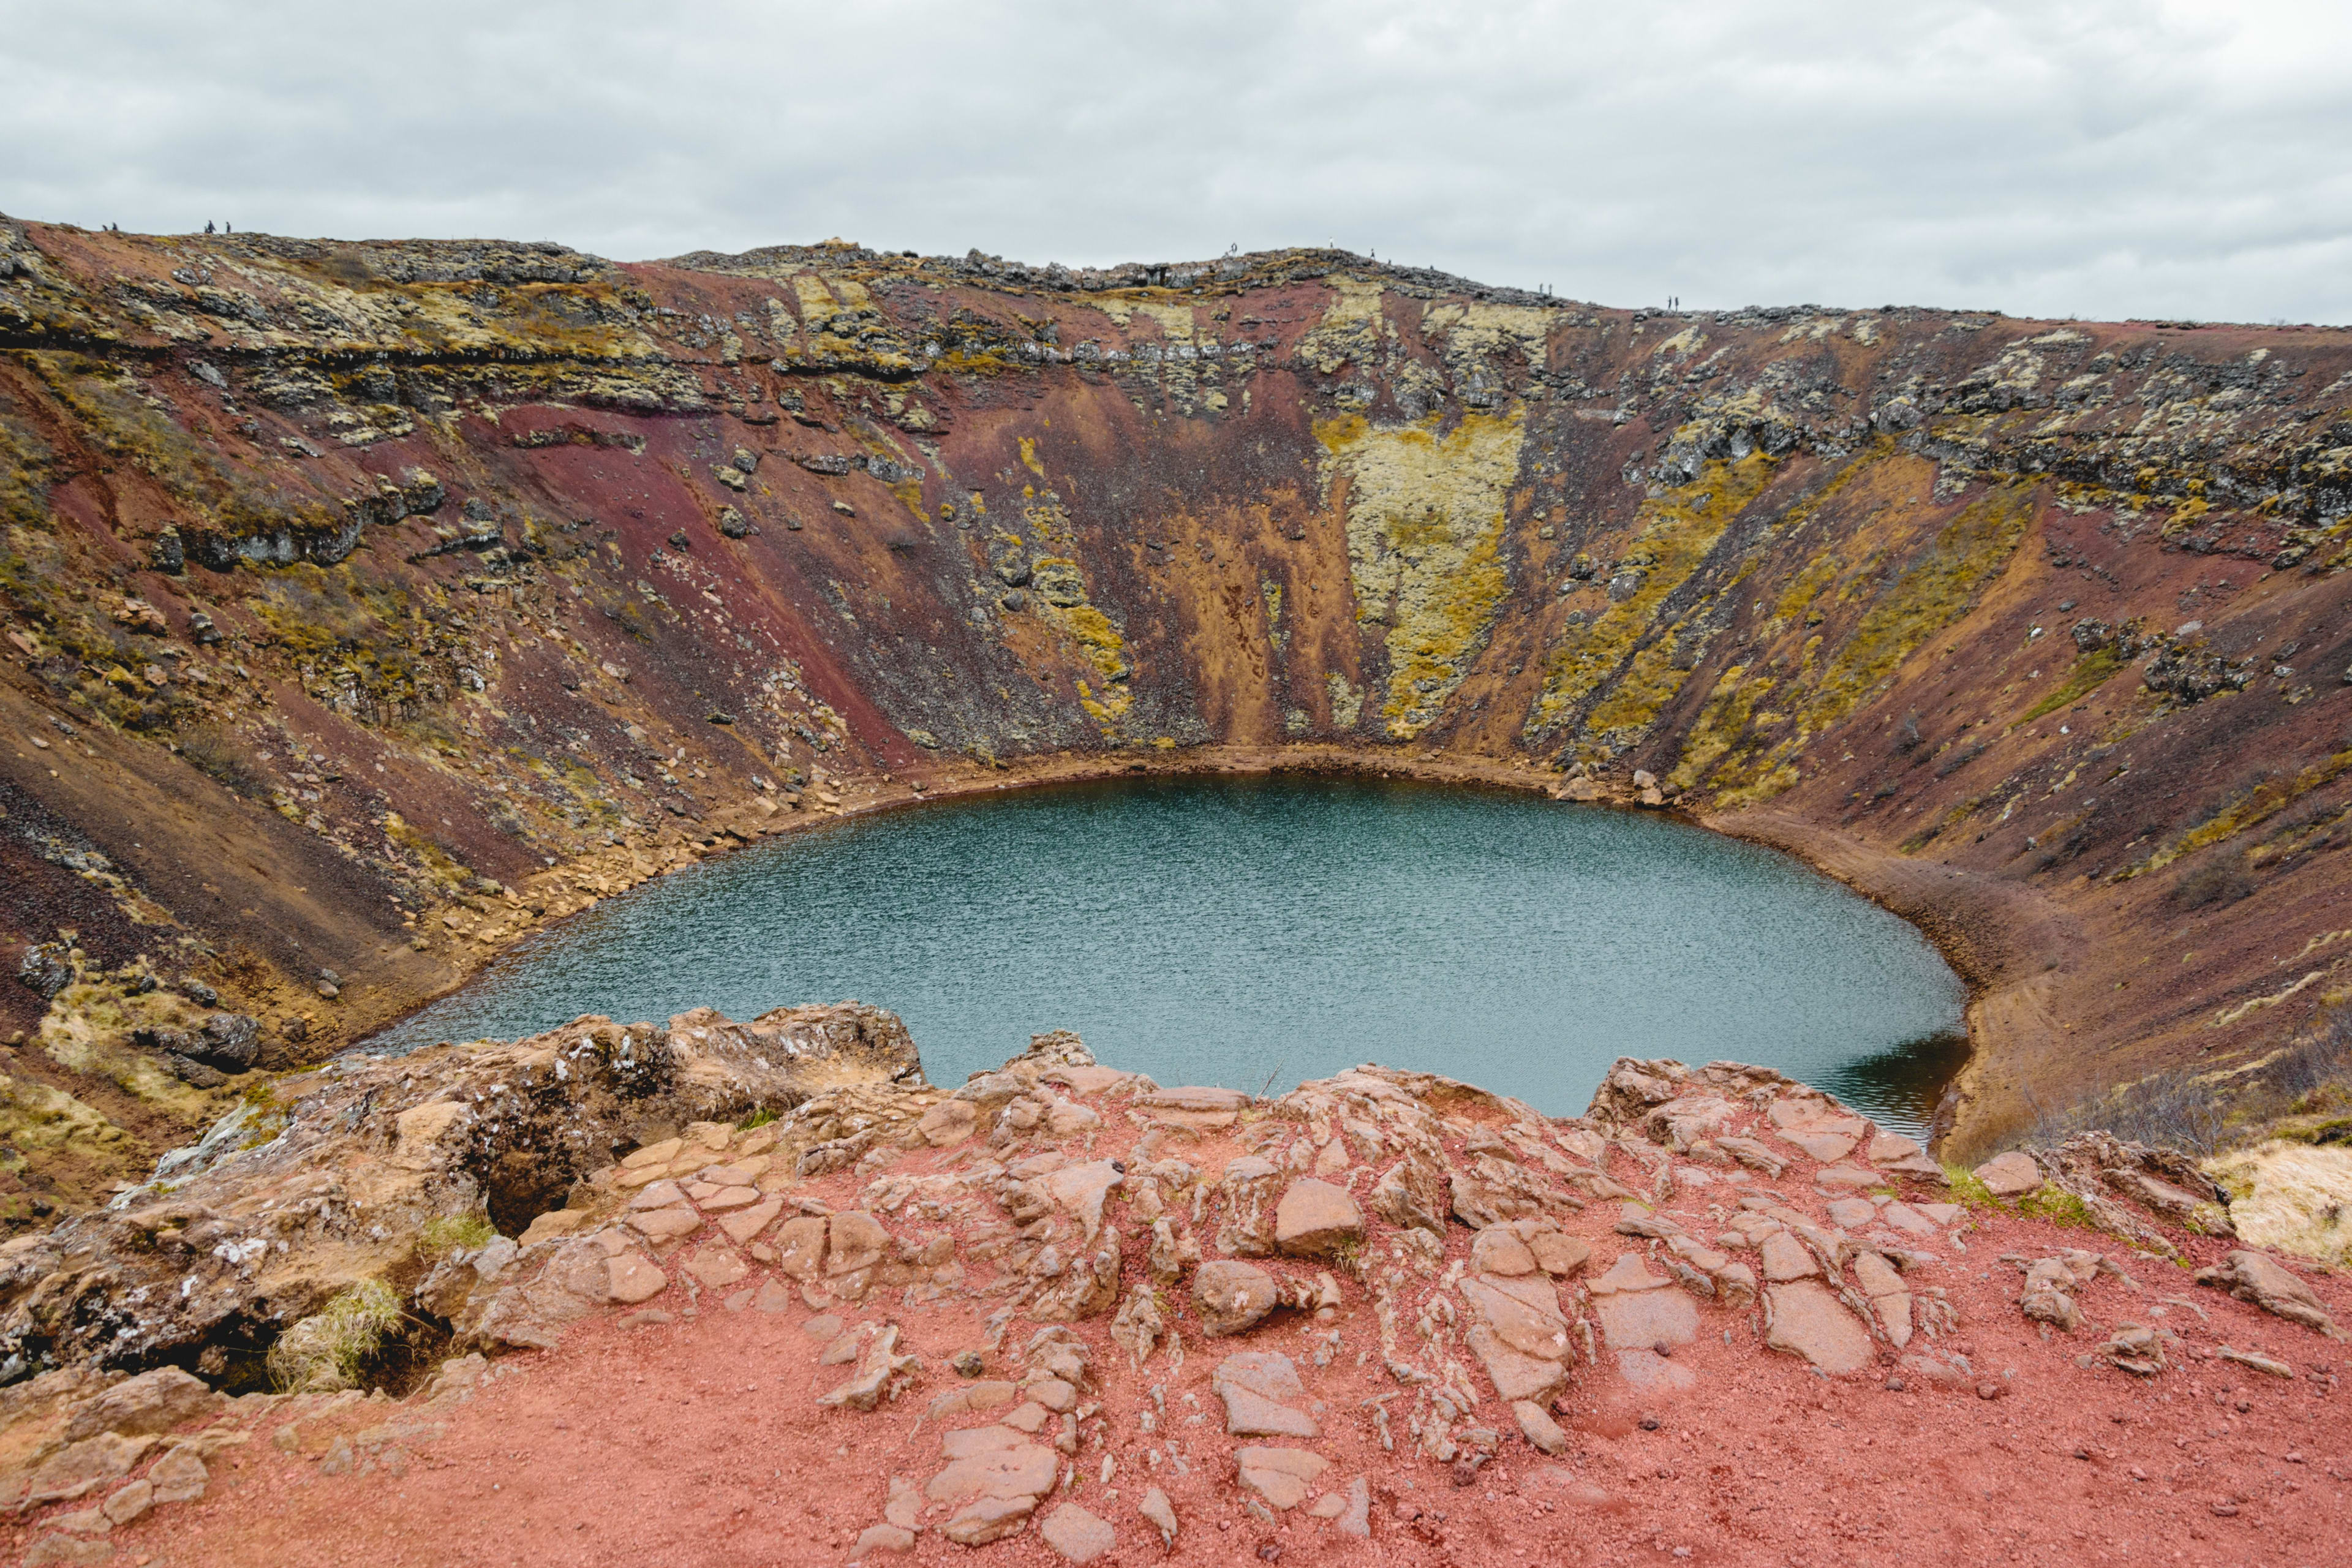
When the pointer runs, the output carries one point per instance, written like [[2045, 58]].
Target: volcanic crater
[[373, 605]]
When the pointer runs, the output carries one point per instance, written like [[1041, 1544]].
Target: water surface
[[1255, 932]]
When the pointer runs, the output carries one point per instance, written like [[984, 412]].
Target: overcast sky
[[2053, 157]]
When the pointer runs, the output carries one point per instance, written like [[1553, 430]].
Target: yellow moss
[[35, 1119], [1098, 641], [1677, 531], [439, 863], [1175, 320], [1649, 683], [1725, 716], [1968, 553], [2255, 805], [1095, 634], [1762, 787], [957, 361], [1029, 456], [2090, 672], [1805, 586], [1353, 325], [86, 1030], [1476, 330], [1347, 701], [1425, 522]]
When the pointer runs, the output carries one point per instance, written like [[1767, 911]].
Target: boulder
[[1805, 1320], [153, 1402], [1356, 1518], [1413, 1194], [1542, 1433], [1786, 1258], [1752, 1154], [84, 1467], [717, 1266], [228, 1040], [1206, 1110], [1519, 1335], [993, 1479], [800, 1247], [2262, 1280], [1525, 1313], [744, 1223], [632, 1279], [1231, 1298], [853, 1240], [1249, 1187], [982, 1520], [129, 1502], [1077, 1534], [988, 1394], [1156, 1508], [1889, 1298], [2009, 1175], [1283, 1476], [1316, 1219], [881, 1538], [1080, 1192], [1259, 1388], [2051, 1284], [1816, 1125], [948, 1124], [179, 1476], [1499, 1250], [1558, 1253], [1644, 1319], [1893, 1152]]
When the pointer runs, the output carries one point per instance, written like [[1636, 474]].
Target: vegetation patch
[[2260, 797], [331, 1349], [2219, 881], [1939, 586], [1678, 531], [2057, 1205], [453, 1233], [1966, 1187], [1425, 523], [211, 752], [2090, 672]]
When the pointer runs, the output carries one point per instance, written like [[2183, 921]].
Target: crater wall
[[370, 604]]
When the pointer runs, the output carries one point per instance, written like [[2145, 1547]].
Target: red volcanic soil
[[699, 1440]]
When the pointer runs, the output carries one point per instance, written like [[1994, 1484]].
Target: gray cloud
[[2099, 157]]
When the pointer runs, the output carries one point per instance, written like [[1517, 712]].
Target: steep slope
[[369, 603]]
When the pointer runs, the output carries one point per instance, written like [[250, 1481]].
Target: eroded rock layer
[[368, 606], [1382, 1313]]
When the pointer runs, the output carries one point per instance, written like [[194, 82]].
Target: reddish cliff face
[[369, 603]]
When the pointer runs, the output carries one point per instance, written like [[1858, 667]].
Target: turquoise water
[[1249, 932]]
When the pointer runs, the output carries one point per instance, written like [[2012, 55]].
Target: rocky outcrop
[[378, 1167], [2252, 1277], [1026, 1312]]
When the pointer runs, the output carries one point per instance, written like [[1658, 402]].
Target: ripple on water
[[1264, 931]]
